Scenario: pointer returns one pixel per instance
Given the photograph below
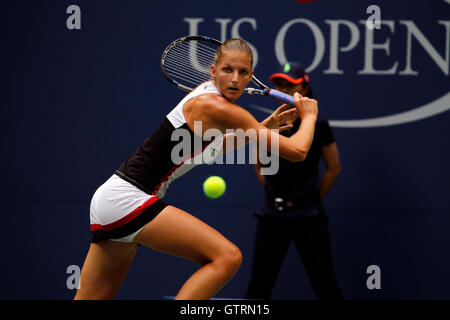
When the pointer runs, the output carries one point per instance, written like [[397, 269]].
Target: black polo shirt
[[298, 182]]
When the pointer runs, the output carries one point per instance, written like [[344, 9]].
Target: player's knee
[[230, 258]]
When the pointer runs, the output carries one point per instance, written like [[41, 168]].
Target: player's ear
[[212, 71], [251, 75]]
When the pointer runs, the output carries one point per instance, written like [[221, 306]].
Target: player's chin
[[233, 94]]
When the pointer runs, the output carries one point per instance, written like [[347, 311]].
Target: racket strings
[[182, 75], [200, 68], [200, 57], [189, 63], [188, 55], [204, 48], [178, 72]]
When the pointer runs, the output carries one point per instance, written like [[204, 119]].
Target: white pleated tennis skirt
[[119, 210]]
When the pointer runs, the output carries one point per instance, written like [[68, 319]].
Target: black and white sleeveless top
[[152, 168]]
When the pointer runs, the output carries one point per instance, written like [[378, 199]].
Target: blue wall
[[75, 103]]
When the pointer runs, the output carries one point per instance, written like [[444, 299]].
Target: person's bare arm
[[281, 119], [217, 112], [333, 168], [261, 178]]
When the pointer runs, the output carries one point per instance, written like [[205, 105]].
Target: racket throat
[[264, 92]]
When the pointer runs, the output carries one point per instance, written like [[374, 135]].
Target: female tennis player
[[127, 210]]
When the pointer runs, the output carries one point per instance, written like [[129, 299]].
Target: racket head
[[186, 62]]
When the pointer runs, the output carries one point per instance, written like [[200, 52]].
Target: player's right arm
[[261, 178]]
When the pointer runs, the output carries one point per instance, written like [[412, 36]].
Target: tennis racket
[[186, 64]]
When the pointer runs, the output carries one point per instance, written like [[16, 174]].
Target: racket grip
[[278, 95]]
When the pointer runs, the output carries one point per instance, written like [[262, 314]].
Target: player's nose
[[235, 76]]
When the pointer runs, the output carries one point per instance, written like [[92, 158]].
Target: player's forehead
[[236, 57]]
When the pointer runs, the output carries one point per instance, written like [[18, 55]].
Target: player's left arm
[[280, 119], [332, 162]]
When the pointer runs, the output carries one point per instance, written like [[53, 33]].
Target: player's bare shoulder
[[212, 102], [208, 105], [208, 108]]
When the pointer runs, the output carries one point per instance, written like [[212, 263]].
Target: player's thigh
[[178, 233], [104, 269]]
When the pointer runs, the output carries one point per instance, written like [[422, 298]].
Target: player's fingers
[[297, 95], [284, 128], [288, 112], [281, 108]]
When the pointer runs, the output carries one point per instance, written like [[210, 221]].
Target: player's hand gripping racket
[[186, 64]]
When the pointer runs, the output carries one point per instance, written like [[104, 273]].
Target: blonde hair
[[236, 44]]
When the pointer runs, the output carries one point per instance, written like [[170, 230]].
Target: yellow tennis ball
[[214, 187]]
